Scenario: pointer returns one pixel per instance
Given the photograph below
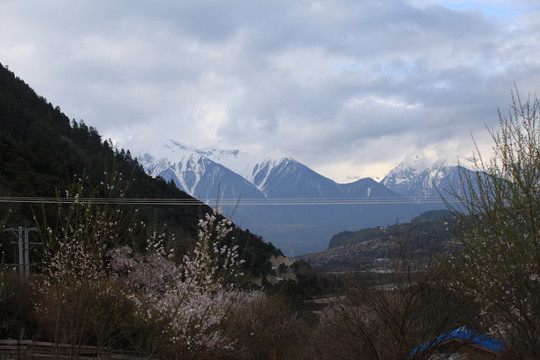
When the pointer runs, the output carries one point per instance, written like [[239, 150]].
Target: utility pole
[[22, 235], [27, 251]]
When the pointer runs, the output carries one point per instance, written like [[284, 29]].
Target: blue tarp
[[466, 336]]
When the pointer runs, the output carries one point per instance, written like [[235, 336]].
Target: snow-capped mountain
[[287, 178], [211, 174], [199, 176], [194, 171], [203, 173], [422, 177]]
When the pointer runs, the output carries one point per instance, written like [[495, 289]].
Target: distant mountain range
[[290, 205], [210, 173]]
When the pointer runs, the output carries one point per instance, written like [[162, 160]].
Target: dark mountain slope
[[41, 150], [291, 179]]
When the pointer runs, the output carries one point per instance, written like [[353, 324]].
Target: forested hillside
[[431, 222], [43, 152], [373, 248]]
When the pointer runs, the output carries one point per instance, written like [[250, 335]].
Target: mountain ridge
[[418, 176], [280, 177], [277, 186]]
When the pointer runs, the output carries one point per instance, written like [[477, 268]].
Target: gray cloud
[[347, 87]]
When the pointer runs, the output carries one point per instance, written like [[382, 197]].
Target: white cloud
[[348, 87]]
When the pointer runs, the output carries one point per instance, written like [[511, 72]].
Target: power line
[[224, 202]]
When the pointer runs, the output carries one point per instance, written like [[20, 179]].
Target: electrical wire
[[225, 202]]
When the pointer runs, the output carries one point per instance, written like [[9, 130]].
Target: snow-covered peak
[[421, 174], [240, 162], [171, 152], [244, 164], [417, 163]]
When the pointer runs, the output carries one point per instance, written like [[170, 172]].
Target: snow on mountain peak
[[173, 152], [420, 174], [417, 163]]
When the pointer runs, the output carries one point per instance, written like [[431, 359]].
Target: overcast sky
[[347, 87]]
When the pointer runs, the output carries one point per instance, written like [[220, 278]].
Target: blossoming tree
[[189, 300], [498, 255], [75, 271]]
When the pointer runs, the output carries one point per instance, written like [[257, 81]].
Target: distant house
[[280, 260], [283, 269], [463, 343]]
